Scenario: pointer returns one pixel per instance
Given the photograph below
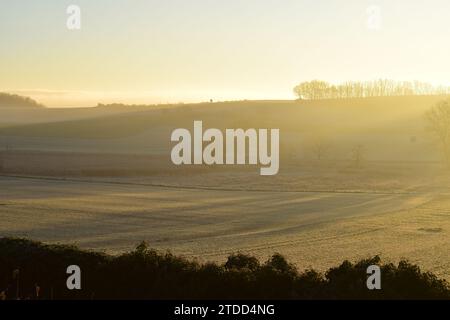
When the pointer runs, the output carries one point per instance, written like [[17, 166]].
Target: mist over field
[[358, 177], [276, 149]]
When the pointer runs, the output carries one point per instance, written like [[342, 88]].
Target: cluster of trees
[[317, 90], [123, 105], [33, 270], [13, 100]]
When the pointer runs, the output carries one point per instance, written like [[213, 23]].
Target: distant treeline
[[316, 89], [121, 105], [32, 270], [15, 101]]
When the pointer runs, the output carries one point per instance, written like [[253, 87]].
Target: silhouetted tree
[[15, 101]]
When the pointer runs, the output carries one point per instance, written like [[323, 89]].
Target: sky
[[170, 51]]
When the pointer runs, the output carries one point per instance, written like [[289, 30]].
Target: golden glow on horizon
[[152, 53]]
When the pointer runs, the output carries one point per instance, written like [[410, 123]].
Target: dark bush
[[241, 261], [147, 274]]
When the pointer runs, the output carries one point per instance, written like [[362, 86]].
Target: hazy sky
[[193, 50]]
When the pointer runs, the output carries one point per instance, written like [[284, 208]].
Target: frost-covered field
[[313, 229], [111, 184]]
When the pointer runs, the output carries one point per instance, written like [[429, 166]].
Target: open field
[[103, 179], [313, 229]]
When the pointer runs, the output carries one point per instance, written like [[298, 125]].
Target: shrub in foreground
[[34, 270]]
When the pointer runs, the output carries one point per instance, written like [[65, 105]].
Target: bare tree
[[438, 118], [358, 155], [320, 149], [316, 89]]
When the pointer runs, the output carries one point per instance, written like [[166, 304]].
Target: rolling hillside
[[390, 128]]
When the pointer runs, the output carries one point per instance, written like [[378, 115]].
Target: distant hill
[[15, 101], [327, 117], [389, 128]]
